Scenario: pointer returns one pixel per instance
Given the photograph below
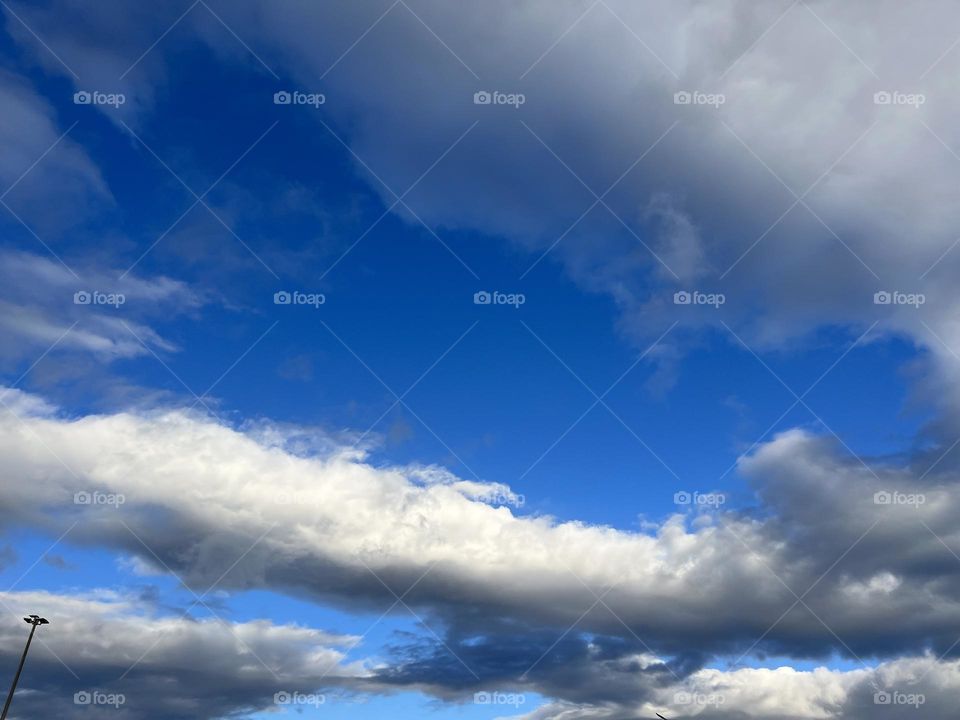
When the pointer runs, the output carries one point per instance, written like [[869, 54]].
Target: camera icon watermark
[[95, 97], [287, 697], [895, 97], [295, 97], [296, 297], [696, 97], [495, 97], [95, 297], [683, 497], [886, 497], [96, 497], [895, 297], [695, 297], [496, 297], [97, 697]]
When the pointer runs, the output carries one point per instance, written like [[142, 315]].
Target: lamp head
[[36, 620]]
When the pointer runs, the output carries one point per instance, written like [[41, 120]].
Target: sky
[[550, 360]]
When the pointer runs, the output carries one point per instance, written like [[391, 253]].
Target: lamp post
[[32, 620]]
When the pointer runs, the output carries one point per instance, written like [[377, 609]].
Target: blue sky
[[405, 418]]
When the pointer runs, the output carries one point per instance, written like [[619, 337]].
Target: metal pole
[[16, 678]]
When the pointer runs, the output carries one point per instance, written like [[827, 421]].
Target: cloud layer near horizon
[[104, 648], [103, 644]]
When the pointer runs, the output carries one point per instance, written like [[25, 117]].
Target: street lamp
[[32, 620]]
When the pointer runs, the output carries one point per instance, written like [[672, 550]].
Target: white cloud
[[329, 524], [44, 300]]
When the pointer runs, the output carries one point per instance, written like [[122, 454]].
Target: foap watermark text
[[96, 297], [96, 497], [499, 698], [895, 297], [96, 97], [695, 297], [683, 497], [499, 298], [287, 697], [98, 697], [295, 97], [895, 697], [495, 97], [892, 497], [696, 97], [296, 297], [895, 97], [701, 699]]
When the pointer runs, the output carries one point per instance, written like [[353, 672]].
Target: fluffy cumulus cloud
[[838, 556], [112, 655]]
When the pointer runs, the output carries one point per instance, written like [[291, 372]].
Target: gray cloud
[[85, 309], [40, 161], [104, 646], [903, 688], [875, 579], [715, 200], [113, 655]]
